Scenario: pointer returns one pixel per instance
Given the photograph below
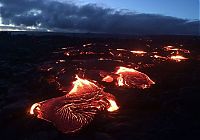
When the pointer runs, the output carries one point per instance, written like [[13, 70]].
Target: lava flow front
[[129, 77], [76, 109]]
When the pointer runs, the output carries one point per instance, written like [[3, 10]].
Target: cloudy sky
[[102, 16]]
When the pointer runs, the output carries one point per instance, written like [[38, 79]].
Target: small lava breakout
[[129, 77]]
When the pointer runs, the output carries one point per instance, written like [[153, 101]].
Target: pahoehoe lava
[[76, 109], [73, 111], [41, 68], [129, 77]]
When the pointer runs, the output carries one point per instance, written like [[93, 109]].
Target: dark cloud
[[55, 15]]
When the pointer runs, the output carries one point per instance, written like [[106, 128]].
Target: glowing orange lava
[[82, 85], [160, 57], [107, 79], [124, 69], [170, 48], [33, 107], [76, 109], [139, 52], [120, 81], [121, 50], [178, 58], [113, 106], [130, 77]]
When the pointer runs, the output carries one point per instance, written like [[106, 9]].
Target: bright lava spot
[[107, 79], [120, 81], [82, 85], [138, 52], [121, 50], [33, 107], [85, 45], [61, 61], [170, 48], [113, 106], [178, 58], [124, 69], [160, 57]]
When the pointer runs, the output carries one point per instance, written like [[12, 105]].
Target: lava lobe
[[129, 77], [75, 110]]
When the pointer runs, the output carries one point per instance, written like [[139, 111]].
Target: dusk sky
[[102, 16], [178, 8]]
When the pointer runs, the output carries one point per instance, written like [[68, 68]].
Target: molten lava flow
[[121, 50], [124, 69], [82, 85], [178, 58], [76, 109], [185, 51], [120, 81], [33, 107], [113, 106], [107, 79], [160, 57], [170, 48], [129, 77], [139, 52]]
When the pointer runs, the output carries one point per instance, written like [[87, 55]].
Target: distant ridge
[[86, 35]]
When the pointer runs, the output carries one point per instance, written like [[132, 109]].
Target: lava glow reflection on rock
[[76, 109]]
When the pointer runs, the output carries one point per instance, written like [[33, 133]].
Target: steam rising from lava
[[76, 109]]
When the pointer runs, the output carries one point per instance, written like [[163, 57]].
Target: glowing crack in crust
[[75, 110], [129, 77]]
